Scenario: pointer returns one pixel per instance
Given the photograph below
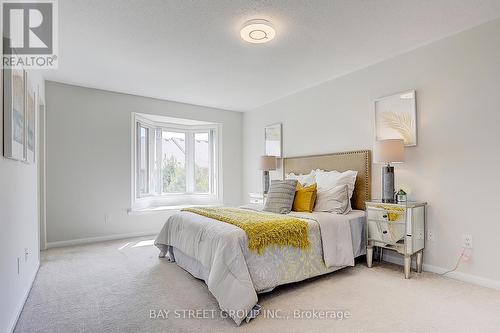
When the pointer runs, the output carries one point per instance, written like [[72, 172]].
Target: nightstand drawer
[[386, 214], [386, 224], [385, 231]]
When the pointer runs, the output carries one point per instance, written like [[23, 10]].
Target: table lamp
[[388, 152], [267, 163]]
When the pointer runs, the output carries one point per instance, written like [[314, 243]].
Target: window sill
[[159, 209]]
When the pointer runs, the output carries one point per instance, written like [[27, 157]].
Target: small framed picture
[[30, 121], [14, 114], [272, 139], [396, 118]]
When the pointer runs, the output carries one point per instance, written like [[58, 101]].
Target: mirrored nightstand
[[398, 227], [256, 198]]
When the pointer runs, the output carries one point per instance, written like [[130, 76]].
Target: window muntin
[[181, 162]]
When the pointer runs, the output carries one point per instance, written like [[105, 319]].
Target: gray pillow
[[280, 196]]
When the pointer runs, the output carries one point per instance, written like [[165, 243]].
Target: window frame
[[138, 157], [153, 198]]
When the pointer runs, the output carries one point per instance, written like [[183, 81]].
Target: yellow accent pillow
[[305, 198]]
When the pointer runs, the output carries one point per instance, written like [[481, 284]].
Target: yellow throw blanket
[[262, 229]]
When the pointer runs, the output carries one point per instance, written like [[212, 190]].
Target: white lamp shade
[[268, 163], [389, 151]]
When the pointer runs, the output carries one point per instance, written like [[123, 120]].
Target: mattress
[[282, 265]]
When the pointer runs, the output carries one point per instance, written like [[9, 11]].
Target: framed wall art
[[396, 118], [30, 120], [14, 114], [272, 139]]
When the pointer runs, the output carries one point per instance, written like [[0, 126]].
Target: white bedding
[[218, 253]]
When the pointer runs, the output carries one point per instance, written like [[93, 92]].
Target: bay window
[[175, 162]]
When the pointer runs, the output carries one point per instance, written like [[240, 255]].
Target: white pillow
[[334, 200], [330, 179], [304, 180]]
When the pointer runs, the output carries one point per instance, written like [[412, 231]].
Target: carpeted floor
[[116, 286]]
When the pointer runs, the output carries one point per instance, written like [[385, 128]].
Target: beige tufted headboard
[[359, 161]]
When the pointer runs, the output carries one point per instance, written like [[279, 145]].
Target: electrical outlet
[[107, 218], [431, 236], [467, 241]]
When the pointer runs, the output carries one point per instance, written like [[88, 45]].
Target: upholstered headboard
[[359, 161]]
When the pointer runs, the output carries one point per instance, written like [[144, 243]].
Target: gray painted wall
[[455, 165], [89, 160]]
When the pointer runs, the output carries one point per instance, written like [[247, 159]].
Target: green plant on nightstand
[[401, 196]]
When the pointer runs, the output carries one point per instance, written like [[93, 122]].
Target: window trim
[[141, 202]]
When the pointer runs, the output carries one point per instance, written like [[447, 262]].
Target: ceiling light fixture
[[257, 31]]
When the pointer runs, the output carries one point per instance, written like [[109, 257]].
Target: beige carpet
[[112, 286]]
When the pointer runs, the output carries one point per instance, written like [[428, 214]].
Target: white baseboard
[[80, 241], [464, 277], [25, 298], [474, 279]]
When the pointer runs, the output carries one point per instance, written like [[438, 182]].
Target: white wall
[[18, 225], [455, 165], [89, 157]]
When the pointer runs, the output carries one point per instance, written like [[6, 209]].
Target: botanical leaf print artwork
[[401, 122], [395, 118]]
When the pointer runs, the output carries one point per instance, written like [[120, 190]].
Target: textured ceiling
[[190, 51]]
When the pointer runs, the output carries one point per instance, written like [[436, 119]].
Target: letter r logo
[[27, 27]]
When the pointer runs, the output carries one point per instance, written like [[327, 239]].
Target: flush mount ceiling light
[[257, 31]]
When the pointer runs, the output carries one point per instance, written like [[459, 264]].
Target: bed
[[218, 252]]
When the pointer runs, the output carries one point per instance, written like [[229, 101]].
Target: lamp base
[[388, 184], [265, 181]]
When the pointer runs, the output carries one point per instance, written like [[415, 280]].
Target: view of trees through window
[[201, 162], [174, 176], [173, 152]]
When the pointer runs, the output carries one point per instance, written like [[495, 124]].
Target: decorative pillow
[[330, 179], [334, 200], [305, 180], [305, 197], [280, 196]]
